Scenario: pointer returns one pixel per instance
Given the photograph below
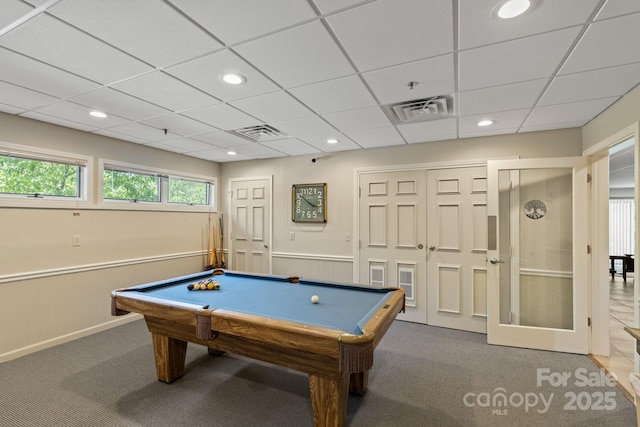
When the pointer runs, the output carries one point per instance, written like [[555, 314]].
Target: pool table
[[270, 318]]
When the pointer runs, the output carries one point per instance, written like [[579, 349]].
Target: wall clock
[[309, 203]]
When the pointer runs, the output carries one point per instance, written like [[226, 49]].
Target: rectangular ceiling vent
[[420, 110], [260, 133]]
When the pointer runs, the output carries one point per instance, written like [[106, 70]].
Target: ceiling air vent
[[260, 133], [420, 110]]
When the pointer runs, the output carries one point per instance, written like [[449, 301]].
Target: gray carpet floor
[[422, 376]]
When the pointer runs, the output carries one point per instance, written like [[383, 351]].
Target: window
[[130, 186], [187, 191], [39, 176]]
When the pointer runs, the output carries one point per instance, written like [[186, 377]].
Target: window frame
[[164, 175], [53, 156]]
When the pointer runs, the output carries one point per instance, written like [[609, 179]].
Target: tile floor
[[620, 361]]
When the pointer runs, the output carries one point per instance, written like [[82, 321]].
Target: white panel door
[[392, 215], [250, 225], [457, 242], [537, 251]]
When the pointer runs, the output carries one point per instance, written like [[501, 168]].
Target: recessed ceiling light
[[483, 123], [233, 79], [231, 153], [512, 8], [332, 141], [98, 114]]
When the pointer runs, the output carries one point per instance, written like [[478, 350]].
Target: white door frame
[[599, 207], [228, 224]]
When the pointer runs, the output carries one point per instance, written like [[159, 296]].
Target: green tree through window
[[38, 177]]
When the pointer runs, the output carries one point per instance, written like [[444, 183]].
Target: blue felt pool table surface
[[343, 307]]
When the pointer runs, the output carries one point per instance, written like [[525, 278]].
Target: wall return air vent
[[260, 133], [420, 110]]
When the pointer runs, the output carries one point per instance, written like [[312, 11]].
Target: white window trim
[[52, 202], [163, 205]]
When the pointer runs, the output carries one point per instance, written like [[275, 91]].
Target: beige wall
[[620, 115]]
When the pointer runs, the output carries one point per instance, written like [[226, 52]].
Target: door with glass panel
[[537, 257]]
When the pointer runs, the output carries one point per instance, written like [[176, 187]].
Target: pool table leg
[[329, 399], [358, 382], [170, 354]]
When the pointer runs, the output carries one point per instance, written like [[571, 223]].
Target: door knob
[[420, 246], [494, 260], [432, 247]]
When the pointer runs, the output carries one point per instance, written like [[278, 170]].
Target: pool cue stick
[[221, 243], [208, 243], [215, 246]]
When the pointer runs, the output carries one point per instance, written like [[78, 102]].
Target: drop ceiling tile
[[236, 21], [22, 98], [479, 26], [142, 132], [49, 40], [10, 109], [345, 93], [505, 121], [12, 10], [597, 42], [327, 6], [181, 145], [307, 126], [180, 125], [204, 74], [395, 32], [221, 139], [58, 121], [147, 29], [298, 56], [572, 112], [222, 116], [500, 98], [514, 61], [291, 147], [592, 84], [120, 136], [433, 130], [435, 76], [364, 118], [378, 137], [273, 107], [216, 155], [344, 144], [26, 72], [80, 114], [113, 102], [166, 91], [552, 126], [618, 7], [257, 151]]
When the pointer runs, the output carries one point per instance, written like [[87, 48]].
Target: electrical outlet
[[347, 237], [75, 241], [292, 235]]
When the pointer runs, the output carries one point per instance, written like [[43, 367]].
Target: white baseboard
[[14, 354]]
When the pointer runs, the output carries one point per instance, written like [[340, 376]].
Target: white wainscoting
[[46, 308], [330, 268]]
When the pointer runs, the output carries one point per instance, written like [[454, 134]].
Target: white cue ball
[[315, 299]]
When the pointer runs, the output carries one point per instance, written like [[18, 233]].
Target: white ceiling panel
[[24, 99], [599, 41], [236, 21], [291, 147], [364, 118], [179, 124], [273, 107], [302, 55], [500, 98], [592, 84], [346, 93], [480, 26], [204, 73], [113, 102], [29, 73], [49, 40], [174, 94], [313, 69], [395, 32], [377, 137], [147, 29], [429, 131], [573, 112], [434, 76], [515, 61], [223, 116]]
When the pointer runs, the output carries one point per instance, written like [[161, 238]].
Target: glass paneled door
[[537, 258]]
